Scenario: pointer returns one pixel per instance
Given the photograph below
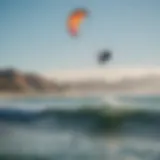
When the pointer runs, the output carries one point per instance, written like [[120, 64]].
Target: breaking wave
[[86, 119]]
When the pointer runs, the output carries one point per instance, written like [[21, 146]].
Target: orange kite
[[74, 21]]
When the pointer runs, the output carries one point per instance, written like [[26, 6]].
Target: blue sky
[[33, 34]]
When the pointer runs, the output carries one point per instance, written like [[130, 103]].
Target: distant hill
[[16, 81], [12, 80], [145, 84]]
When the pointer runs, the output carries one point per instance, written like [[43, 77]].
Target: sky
[[34, 37]]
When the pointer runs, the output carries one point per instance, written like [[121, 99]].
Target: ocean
[[117, 127]]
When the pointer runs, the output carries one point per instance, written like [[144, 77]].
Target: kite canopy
[[104, 57], [74, 21]]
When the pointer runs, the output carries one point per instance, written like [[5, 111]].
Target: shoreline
[[10, 95]]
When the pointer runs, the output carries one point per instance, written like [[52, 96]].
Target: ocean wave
[[87, 119]]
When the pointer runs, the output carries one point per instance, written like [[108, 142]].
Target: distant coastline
[[14, 84]]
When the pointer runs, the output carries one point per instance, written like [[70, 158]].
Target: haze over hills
[[134, 79], [147, 84], [105, 73]]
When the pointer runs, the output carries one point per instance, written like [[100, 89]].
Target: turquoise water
[[100, 128]]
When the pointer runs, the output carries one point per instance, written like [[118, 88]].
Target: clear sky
[[33, 34]]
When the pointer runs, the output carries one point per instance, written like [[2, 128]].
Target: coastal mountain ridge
[[15, 80]]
